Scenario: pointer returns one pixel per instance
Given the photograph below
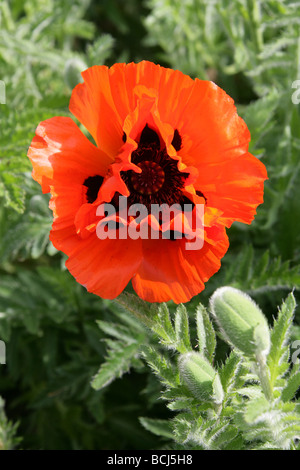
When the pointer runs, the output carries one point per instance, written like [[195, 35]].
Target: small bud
[[73, 69], [241, 321], [200, 377]]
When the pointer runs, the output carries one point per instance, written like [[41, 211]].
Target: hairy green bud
[[241, 321], [200, 377], [73, 69]]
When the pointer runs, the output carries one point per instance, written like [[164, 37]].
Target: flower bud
[[241, 321], [200, 377], [73, 69]]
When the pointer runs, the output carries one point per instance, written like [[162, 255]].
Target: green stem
[[147, 314], [262, 372], [146, 319], [255, 26]]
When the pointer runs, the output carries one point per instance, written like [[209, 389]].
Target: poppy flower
[[160, 138]]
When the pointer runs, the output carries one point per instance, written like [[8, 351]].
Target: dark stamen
[[201, 195], [177, 141], [185, 201], [149, 137], [160, 182], [93, 184]]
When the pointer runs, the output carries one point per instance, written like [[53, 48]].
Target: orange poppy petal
[[64, 238], [172, 87], [92, 103], [65, 202], [63, 158], [169, 272], [39, 153], [60, 146], [104, 267], [235, 188], [211, 129], [125, 77]]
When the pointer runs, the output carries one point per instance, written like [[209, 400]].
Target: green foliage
[[259, 274], [256, 408], [27, 235], [123, 351], [36, 46], [8, 439], [279, 353], [158, 427], [54, 347], [226, 38]]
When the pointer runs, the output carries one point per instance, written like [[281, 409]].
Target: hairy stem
[[263, 374]]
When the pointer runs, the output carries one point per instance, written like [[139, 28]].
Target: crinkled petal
[[104, 267], [62, 159], [170, 272]]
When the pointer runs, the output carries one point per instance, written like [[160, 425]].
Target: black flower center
[[150, 180], [160, 180]]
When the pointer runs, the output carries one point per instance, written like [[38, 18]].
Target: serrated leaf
[[117, 363], [229, 371], [163, 321], [137, 307], [223, 436], [280, 337], [211, 341], [201, 334], [253, 391], [182, 329], [263, 275], [118, 331], [256, 408], [293, 384], [161, 366], [159, 427], [180, 404]]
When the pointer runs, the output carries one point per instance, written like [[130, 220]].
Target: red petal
[[168, 271]]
